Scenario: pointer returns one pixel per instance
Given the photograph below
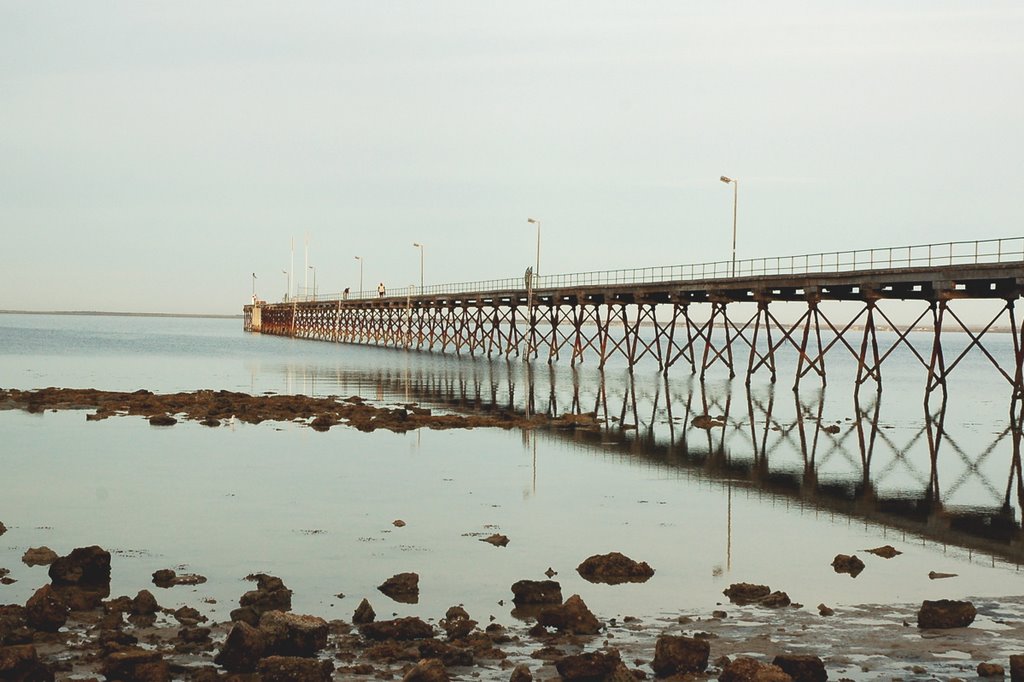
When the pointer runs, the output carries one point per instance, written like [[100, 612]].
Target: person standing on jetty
[[380, 290]]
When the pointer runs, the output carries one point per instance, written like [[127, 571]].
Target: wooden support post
[[937, 363]]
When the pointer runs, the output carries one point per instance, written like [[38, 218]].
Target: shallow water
[[770, 498]]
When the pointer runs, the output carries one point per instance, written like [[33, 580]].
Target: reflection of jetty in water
[[961, 488]]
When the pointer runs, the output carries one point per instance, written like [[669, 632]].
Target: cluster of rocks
[[212, 408]]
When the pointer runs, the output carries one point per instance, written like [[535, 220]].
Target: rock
[[399, 628], [746, 593], [990, 670], [194, 635], [46, 610], [933, 575], [398, 523], [270, 595], [3, 528], [242, 649], [402, 587], [844, 563], [289, 634], [775, 600], [162, 420], [677, 654], [135, 665], [825, 611], [294, 669], [614, 568], [885, 551], [428, 670], [945, 613], [521, 673], [595, 665], [323, 422], [802, 668], [186, 615], [39, 556], [21, 663], [572, 616], [167, 578], [497, 540], [1017, 668], [144, 604], [363, 614], [450, 656], [84, 567], [745, 669], [537, 592], [551, 573]]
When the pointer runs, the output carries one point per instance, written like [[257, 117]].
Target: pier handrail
[[1005, 250]]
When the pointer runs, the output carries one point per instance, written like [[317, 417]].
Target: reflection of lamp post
[[735, 201], [536, 267], [287, 284], [420, 247], [313, 268], [360, 259]]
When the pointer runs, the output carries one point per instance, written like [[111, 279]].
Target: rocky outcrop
[[364, 613], [39, 556], [22, 662], [573, 616], [536, 592], [270, 595], [802, 667], [289, 634], [746, 593], [294, 669], [136, 665], [402, 587], [851, 565], [946, 613], [46, 610], [595, 665], [677, 654], [242, 650], [427, 670], [745, 669], [399, 628], [614, 568]]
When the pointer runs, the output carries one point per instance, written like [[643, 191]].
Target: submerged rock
[[572, 616], [399, 628], [614, 568], [844, 563], [802, 667], [402, 587], [946, 613], [746, 593], [364, 613], [745, 669], [678, 654], [537, 592], [885, 551], [39, 556]]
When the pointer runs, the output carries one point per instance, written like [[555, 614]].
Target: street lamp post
[[254, 287], [360, 259], [536, 267], [313, 268], [735, 202], [420, 247]]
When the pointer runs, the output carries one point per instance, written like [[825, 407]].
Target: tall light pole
[[735, 202], [420, 247], [287, 284], [536, 267], [313, 268], [254, 287], [360, 259]]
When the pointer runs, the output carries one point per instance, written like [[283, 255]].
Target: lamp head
[[726, 179], [532, 220], [417, 244], [359, 258]]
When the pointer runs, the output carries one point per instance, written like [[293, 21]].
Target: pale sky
[[155, 154]]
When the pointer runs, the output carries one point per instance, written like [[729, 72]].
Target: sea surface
[[791, 480]]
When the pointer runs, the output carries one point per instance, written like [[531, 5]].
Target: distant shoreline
[[104, 313]]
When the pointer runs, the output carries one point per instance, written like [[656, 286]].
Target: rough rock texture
[[166, 578], [364, 613], [885, 551], [572, 616], [521, 673], [746, 593], [144, 604], [990, 670], [851, 565], [497, 539], [537, 592], [399, 628], [242, 649], [775, 600], [677, 654], [427, 670], [614, 568], [22, 663], [595, 665], [945, 613], [294, 669], [290, 634], [84, 567], [402, 587], [39, 556], [270, 595], [745, 669], [1017, 668], [801, 667], [46, 610], [136, 665]]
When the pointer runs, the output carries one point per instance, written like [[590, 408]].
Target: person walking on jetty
[[344, 294], [380, 289]]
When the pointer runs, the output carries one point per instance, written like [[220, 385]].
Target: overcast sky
[[154, 155]]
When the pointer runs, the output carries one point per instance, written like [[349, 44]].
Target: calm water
[[771, 497]]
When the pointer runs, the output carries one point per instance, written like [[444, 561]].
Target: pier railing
[[984, 251]]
